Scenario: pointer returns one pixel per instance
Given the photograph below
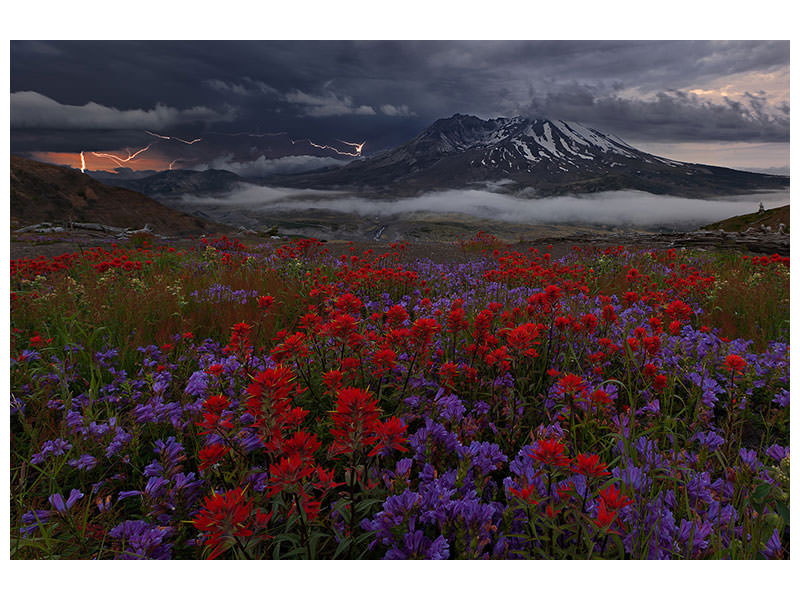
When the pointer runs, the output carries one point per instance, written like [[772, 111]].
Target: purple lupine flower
[[433, 436], [86, 462], [396, 510], [61, 507], [121, 437], [104, 359], [749, 458], [33, 519], [451, 409], [197, 385], [56, 447], [773, 548], [417, 545], [725, 513], [128, 494], [438, 550], [55, 403], [258, 481], [485, 456], [777, 453], [156, 486], [161, 383], [17, 406], [694, 534], [709, 439], [74, 421], [631, 475], [698, 487], [724, 489], [186, 483], [153, 469], [98, 431], [171, 454], [782, 398], [710, 390], [29, 356], [141, 540], [412, 401]]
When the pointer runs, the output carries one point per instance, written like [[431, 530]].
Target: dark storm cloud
[[31, 110], [386, 92], [670, 116]]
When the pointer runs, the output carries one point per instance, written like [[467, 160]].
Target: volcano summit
[[531, 157]]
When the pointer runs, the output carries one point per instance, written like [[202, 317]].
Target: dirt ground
[[50, 245]]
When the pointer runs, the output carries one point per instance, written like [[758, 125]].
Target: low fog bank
[[623, 208], [263, 166]]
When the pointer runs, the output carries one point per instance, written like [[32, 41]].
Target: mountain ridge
[[540, 157], [44, 192]]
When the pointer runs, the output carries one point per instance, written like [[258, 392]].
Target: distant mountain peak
[[536, 156]]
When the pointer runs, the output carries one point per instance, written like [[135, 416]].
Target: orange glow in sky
[[104, 161]]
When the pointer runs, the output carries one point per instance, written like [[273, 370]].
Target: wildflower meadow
[[277, 401]]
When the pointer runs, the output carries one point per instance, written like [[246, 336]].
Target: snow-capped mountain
[[543, 157]]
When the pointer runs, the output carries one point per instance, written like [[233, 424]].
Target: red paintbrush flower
[[384, 361], [269, 400], [571, 384], [423, 330], [216, 404], [303, 444], [265, 302], [215, 370], [354, 419], [211, 455], [293, 347], [396, 316], [601, 397], [211, 421], [613, 499], [605, 517], [456, 319], [333, 379], [223, 518], [324, 480], [348, 303], [550, 452], [589, 465], [447, 373], [590, 322], [287, 475], [734, 363], [526, 494], [341, 327], [389, 435]]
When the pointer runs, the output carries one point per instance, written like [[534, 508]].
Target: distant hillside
[[769, 218], [42, 192], [176, 183]]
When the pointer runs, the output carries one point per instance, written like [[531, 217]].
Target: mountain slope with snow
[[537, 157]]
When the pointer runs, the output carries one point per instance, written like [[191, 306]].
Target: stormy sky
[[267, 106]]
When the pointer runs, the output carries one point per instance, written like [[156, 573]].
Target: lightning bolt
[[326, 147], [118, 159], [355, 145], [358, 147], [177, 139]]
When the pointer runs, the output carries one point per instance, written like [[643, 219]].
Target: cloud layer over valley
[[623, 209]]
